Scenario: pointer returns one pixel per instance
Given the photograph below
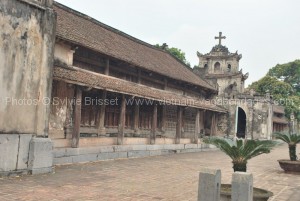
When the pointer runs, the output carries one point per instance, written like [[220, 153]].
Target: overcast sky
[[266, 32]]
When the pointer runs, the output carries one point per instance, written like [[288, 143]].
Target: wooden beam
[[154, 125], [197, 126], [179, 124], [101, 126], [122, 121], [77, 118]]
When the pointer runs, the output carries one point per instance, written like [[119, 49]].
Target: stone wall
[[27, 37], [258, 118]]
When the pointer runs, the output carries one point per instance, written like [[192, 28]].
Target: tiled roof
[[85, 31], [280, 120], [278, 109], [99, 81]]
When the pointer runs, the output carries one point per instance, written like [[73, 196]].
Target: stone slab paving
[[173, 177]]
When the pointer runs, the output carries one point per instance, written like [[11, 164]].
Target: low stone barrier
[[210, 186]]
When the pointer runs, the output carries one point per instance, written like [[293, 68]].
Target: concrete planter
[[290, 166], [258, 194]]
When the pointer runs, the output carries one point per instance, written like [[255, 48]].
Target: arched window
[[229, 68], [217, 67], [205, 65]]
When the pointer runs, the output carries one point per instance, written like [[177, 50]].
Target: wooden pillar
[[122, 121], [136, 118], [139, 76], [77, 118], [213, 125], [197, 126], [154, 125], [163, 118], [179, 124], [101, 127], [202, 122], [106, 71], [165, 83]]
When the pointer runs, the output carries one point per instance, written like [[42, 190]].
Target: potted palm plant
[[240, 151], [292, 165]]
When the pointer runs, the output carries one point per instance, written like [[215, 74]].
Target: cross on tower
[[220, 38]]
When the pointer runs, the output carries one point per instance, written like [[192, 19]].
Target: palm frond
[[291, 139], [241, 150]]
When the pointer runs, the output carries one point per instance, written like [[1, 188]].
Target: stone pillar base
[[14, 153], [40, 156]]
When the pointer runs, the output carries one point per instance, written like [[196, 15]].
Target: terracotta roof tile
[[85, 31], [278, 109], [90, 79], [280, 120]]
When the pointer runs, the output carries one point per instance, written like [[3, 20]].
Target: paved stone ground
[[173, 177]]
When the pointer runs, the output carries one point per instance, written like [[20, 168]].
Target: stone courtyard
[[171, 177]]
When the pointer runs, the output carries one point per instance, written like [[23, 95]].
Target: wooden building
[[130, 91], [280, 122]]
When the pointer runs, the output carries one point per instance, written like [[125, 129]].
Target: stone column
[[77, 118], [122, 121], [179, 124], [242, 186], [209, 185], [101, 126], [154, 125]]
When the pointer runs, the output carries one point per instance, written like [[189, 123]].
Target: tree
[[176, 52], [268, 84], [283, 83], [240, 151], [288, 73], [292, 140]]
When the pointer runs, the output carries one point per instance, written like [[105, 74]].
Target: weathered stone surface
[[191, 146], [111, 156], [242, 186], [115, 152], [138, 154], [154, 147], [209, 185], [190, 150], [8, 152], [173, 146], [40, 155], [23, 151], [62, 160], [155, 152], [84, 158], [122, 148]]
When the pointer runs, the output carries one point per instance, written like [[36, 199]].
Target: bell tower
[[221, 68]]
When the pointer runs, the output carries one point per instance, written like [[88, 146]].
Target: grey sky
[[266, 32]]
